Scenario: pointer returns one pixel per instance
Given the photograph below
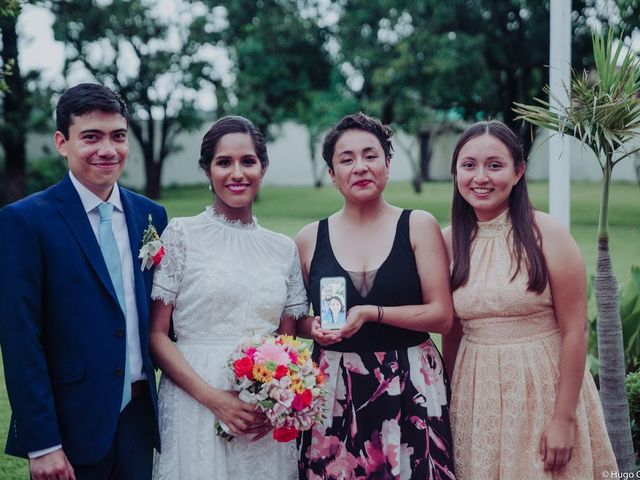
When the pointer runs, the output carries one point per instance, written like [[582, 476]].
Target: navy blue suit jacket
[[61, 325]]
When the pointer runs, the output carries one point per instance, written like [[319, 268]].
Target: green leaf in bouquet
[[267, 404]]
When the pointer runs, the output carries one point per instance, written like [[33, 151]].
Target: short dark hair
[[86, 98], [525, 231], [224, 126], [357, 121]]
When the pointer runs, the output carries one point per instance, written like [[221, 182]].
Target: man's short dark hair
[[86, 98]]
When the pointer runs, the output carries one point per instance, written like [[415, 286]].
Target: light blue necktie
[[111, 256]]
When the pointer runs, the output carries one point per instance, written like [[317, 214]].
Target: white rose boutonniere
[[152, 251]]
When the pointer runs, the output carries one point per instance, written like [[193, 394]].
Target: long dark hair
[[527, 242]]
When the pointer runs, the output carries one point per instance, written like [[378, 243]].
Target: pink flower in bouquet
[[285, 434], [243, 367], [251, 352], [294, 357], [298, 403], [268, 352], [281, 371], [307, 397], [302, 400]]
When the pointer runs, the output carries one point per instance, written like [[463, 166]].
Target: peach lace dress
[[506, 374]]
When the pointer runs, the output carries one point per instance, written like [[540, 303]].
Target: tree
[[8, 8], [13, 111], [604, 115], [629, 14], [323, 109], [25, 106], [156, 62], [475, 57], [396, 55], [278, 60]]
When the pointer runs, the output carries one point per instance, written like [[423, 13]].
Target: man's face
[[96, 150], [327, 292]]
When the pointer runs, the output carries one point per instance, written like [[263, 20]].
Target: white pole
[[559, 81]]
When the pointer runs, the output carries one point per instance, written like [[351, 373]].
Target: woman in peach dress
[[523, 405]]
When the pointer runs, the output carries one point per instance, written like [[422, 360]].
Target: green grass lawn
[[287, 209]]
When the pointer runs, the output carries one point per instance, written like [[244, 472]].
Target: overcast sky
[[37, 48]]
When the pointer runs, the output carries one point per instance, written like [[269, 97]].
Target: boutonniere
[[152, 250]]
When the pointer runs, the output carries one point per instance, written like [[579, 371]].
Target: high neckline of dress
[[227, 222], [495, 226]]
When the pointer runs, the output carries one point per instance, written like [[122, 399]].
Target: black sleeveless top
[[396, 283]]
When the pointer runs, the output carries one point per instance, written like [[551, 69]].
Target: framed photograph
[[333, 302]]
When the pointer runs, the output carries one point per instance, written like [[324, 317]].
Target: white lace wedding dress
[[226, 280]]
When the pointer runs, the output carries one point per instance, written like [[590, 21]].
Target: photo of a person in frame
[[335, 313]]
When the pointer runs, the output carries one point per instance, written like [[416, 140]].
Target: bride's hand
[[241, 417], [321, 336]]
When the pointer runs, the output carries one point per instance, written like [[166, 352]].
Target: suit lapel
[[136, 223], [72, 211]]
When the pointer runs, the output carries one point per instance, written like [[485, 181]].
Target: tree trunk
[[152, 169], [315, 171], [152, 186], [15, 114], [613, 392], [425, 155]]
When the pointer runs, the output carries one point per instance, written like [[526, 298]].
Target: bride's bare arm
[[239, 416]]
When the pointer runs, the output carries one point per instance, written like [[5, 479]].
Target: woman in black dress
[[388, 391]]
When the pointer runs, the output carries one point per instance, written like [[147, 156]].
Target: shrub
[[633, 394], [44, 172]]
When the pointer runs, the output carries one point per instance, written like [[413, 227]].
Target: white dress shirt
[[90, 202]]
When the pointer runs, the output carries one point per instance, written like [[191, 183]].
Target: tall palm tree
[[604, 114]]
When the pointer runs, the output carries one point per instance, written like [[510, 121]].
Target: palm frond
[[604, 113]]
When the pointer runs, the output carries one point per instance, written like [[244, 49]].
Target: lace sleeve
[[169, 273], [296, 305]]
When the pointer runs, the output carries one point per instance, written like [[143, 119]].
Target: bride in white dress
[[223, 277]]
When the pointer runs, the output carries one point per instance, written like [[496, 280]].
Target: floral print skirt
[[388, 417]]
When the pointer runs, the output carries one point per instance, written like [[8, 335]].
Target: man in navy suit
[[74, 334]]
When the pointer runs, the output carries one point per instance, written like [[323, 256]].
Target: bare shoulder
[[424, 229], [422, 220], [306, 238], [448, 242], [446, 233], [551, 228], [557, 242]]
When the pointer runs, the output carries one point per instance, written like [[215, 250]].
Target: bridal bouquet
[[277, 374]]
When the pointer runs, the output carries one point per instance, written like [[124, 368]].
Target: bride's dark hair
[[527, 243], [224, 126]]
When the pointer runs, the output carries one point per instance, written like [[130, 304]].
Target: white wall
[[290, 162], [584, 165]]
